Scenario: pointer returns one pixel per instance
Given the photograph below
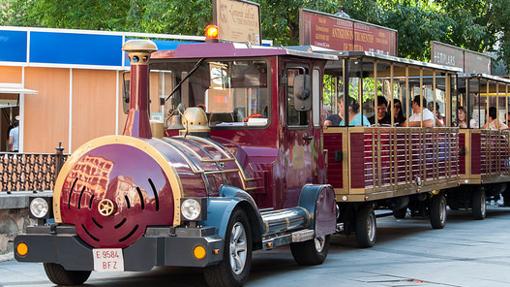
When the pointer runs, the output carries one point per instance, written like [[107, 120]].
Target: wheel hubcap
[[238, 248], [319, 243], [371, 227], [483, 203], [442, 215]]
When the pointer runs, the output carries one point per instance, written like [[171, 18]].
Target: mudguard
[[220, 208], [319, 200]]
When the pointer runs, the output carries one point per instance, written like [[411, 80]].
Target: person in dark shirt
[[398, 113], [383, 118], [334, 120]]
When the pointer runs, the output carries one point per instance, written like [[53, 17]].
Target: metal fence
[[29, 171]]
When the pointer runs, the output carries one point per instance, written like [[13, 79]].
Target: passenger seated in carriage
[[356, 119], [438, 118], [398, 113], [383, 117], [461, 118], [493, 123], [429, 120]]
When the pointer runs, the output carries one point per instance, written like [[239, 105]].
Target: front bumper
[[159, 247]]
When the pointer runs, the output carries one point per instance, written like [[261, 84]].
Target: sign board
[[471, 62], [343, 34], [477, 63], [238, 21]]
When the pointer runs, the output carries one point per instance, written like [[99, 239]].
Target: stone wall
[[12, 222], [14, 217]]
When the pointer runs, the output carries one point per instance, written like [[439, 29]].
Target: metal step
[[272, 241], [285, 220]]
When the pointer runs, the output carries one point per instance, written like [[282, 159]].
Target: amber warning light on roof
[[211, 33]]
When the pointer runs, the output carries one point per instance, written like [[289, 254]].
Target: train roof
[[228, 50], [486, 77], [383, 57]]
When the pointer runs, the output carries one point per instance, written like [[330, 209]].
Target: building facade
[[66, 86]]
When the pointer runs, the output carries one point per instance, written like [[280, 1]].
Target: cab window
[[233, 93]]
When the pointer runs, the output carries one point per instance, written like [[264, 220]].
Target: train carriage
[[484, 168], [386, 166]]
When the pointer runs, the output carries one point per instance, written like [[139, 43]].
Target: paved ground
[[408, 253]]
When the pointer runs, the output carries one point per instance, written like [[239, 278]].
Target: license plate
[[108, 260]]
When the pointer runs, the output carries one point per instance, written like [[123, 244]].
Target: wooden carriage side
[[375, 163]]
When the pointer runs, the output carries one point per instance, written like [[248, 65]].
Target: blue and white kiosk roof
[[27, 46]]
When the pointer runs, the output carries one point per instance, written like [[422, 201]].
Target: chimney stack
[[137, 123]]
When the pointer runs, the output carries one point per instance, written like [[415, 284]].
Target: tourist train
[[264, 147]]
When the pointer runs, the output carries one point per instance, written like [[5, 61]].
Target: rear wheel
[[235, 267], [438, 211], [311, 252], [58, 275], [366, 227], [479, 208], [400, 213], [506, 198]]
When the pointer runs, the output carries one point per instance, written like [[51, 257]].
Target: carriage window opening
[[506, 103], [332, 93], [233, 93], [491, 97], [378, 93], [351, 101], [295, 117]]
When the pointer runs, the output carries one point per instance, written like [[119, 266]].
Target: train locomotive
[[206, 195]]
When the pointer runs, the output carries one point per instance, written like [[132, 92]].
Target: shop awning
[[9, 88]]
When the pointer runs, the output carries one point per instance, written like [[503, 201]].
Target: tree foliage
[[479, 25]]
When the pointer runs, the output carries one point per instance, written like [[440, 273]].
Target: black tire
[[222, 275], [366, 227], [438, 213], [506, 199], [309, 253], [58, 275], [400, 213], [479, 204]]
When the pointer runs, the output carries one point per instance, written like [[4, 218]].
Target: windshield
[[233, 93]]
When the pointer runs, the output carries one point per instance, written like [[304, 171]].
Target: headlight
[[191, 209], [39, 207]]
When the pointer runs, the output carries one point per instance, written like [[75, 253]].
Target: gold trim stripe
[[168, 169]]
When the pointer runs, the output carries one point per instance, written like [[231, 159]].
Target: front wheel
[[479, 208], [366, 227], [58, 275], [235, 267], [438, 211], [311, 252]]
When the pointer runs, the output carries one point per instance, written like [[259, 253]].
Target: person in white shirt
[[429, 120], [14, 138]]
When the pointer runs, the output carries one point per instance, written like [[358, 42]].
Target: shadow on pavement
[[280, 261]]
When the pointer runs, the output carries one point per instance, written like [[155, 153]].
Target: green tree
[[480, 25]]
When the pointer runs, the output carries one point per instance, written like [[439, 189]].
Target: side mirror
[[302, 93]]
